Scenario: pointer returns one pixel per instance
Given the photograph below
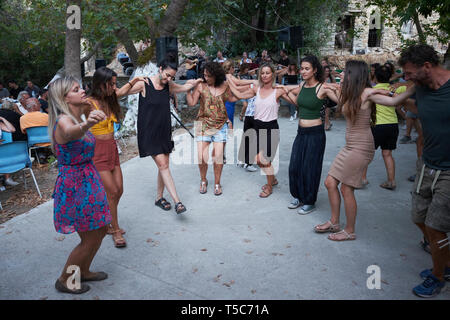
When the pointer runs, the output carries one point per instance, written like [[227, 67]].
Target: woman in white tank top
[[267, 103]]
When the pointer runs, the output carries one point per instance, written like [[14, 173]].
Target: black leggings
[[305, 166], [248, 147]]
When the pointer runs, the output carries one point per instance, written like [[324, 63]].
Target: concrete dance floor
[[233, 246]]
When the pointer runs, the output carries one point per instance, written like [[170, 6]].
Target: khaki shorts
[[431, 204]]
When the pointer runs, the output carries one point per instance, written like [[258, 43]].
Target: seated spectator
[[34, 117], [4, 93], [283, 64], [245, 58], [43, 99], [8, 112], [220, 58], [32, 89], [265, 58], [22, 106], [6, 126], [14, 89]]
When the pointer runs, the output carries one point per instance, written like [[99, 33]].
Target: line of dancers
[[86, 163]]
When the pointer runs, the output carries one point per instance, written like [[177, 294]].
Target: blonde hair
[[57, 105], [274, 76], [228, 66]]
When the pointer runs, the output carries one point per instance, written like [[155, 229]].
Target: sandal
[[347, 236], [274, 183], [98, 276], [217, 190], [179, 208], [163, 204], [330, 228], [111, 231], [62, 288], [266, 191], [119, 241], [203, 186], [388, 185]]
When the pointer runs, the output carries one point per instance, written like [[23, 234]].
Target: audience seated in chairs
[[6, 126], [22, 105], [34, 118]]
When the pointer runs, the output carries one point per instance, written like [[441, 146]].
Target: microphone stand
[[181, 123]]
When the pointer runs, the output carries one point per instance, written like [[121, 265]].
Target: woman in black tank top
[[154, 126]]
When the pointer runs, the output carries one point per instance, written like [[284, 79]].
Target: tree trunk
[[169, 22], [422, 37], [72, 51], [124, 38]]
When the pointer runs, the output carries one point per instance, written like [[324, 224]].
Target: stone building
[[362, 31]]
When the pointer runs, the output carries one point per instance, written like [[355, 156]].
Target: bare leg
[[389, 164], [218, 148], [350, 207], [334, 197], [162, 161], [83, 254], [441, 257], [113, 183], [203, 156]]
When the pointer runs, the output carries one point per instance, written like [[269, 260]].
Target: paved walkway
[[235, 246]]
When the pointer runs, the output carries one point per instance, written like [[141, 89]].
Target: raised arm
[[240, 82], [192, 96], [133, 86], [284, 94], [391, 101], [67, 130], [189, 85], [247, 94]]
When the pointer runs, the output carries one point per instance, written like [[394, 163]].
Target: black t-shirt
[[15, 92], [284, 62], [44, 105], [14, 118]]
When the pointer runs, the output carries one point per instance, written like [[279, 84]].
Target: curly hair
[[216, 71], [315, 63], [418, 54]]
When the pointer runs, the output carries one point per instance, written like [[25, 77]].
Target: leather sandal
[[110, 230], [274, 183], [163, 204], [347, 236], [266, 191], [388, 185], [179, 208], [62, 288], [331, 227], [203, 186], [119, 241], [217, 190], [99, 276]]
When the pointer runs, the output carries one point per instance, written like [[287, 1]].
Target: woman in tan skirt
[[357, 103]]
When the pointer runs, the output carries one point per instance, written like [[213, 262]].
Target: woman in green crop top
[[305, 166]]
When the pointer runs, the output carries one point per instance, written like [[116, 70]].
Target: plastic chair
[[6, 137], [37, 135], [14, 157]]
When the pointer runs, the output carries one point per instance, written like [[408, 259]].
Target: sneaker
[[295, 203], [11, 182], [250, 168], [405, 139], [291, 118], [429, 288], [412, 178], [295, 115], [306, 208], [425, 273], [240, 164]]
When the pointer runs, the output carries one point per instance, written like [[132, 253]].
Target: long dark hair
[[216, 71], [315, 63], [103, 76], [356, 79]]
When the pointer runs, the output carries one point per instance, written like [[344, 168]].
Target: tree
[[398, 12]]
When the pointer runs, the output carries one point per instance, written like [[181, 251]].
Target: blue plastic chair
[[6, 136], [14, 157], [37, 135]]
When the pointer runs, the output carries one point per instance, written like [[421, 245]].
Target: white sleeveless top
[[266, 109]]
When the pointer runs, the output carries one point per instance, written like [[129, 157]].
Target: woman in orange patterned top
[[212, 121]]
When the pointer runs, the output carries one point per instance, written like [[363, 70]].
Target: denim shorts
[[219, 136]]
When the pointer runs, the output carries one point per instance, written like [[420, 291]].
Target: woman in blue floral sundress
[[80, 203]]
